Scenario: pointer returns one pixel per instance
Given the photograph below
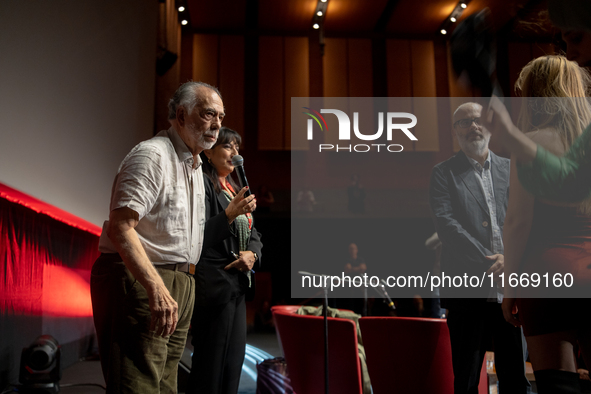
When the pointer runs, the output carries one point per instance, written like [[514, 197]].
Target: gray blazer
[[462, 218]]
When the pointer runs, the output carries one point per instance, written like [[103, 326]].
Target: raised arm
[[566, 178], [542, 173]]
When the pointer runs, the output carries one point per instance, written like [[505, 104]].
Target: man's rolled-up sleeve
[[139, 181]]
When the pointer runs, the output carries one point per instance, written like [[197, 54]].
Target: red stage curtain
[[45, 258]]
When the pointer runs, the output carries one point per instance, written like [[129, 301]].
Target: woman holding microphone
[[222, 277]]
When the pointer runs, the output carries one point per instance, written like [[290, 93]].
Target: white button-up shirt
[[484, 176], [157, 180]]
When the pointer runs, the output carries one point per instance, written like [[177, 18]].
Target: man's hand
[[163, 308], [583, 374], [498, 266], [509, 311], [244, 263], [240, 205], [164, 311]]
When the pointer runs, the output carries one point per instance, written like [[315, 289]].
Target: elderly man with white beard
[[142, 284], [468, 195]]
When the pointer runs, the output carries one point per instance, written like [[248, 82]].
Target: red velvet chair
[[410, 355], [302, 341]]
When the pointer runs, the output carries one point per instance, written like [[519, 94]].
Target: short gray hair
[[466, 105], [186, 96]]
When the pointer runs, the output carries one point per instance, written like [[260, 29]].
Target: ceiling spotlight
[[316, 26], [443, 31], [184, 22], [181, 9], [452, 19], [463, 5], [319, 13], [324, 1]]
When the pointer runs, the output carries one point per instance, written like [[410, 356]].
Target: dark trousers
[[134, 359], [470, 331], [219, 342]]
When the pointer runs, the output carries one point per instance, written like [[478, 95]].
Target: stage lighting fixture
[[40, 370]]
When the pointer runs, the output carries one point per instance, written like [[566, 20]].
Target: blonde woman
[[566, 178], [541, 236]]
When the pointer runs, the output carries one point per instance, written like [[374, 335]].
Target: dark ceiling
[[360, 18]]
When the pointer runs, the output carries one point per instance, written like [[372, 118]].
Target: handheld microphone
[[238, 162]]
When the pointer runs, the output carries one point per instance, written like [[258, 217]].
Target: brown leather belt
[[182, 267]]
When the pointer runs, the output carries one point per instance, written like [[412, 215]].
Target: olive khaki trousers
[[134, 359]]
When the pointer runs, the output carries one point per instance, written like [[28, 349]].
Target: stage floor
[[84, 377]]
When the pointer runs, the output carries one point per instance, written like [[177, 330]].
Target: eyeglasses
[[465, 123]]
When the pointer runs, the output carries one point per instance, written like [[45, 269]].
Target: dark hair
[[225, 136]]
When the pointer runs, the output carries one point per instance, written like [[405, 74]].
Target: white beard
[[477, 147], [204, 144], [201, 139]]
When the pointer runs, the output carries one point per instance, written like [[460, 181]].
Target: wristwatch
[[256, 256]]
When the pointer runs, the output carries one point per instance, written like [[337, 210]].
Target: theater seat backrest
[[410, 355], [302, 340]]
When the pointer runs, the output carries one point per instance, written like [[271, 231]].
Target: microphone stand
[[325, 317], [364, 301], [382, 292]]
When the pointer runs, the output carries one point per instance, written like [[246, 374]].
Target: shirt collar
[[181, 148], [476, 165]]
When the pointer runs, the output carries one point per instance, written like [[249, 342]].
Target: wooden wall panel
[[423, 85], [335, 68], [399, 68], [360, 79], [205, 58], [423, 68], [297, 84], [271, 94], [186, 57], [336, 83], [231, 80], [360, 68], [400, 83]]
